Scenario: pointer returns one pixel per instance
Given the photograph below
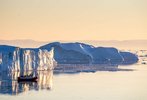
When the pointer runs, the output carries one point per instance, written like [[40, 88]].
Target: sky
[[48, 20]]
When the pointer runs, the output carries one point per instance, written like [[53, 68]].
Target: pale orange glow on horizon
[[45, 20]]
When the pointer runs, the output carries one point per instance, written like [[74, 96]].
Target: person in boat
[[31, 75]]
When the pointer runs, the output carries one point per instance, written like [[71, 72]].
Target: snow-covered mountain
[[80, 53], [15, 58]]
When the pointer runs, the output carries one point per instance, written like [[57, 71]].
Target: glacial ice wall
[[17, 59]]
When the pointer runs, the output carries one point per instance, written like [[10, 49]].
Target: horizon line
[[70, 40]]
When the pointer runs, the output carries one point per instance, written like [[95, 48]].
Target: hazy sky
[[73, 19]]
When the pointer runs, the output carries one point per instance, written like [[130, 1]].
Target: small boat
[[27, 79]]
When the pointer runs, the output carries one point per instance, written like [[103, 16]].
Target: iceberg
[[129, 58], [16, 59], [80, 53], [47, 56]]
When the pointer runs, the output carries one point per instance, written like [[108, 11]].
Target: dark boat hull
[[22, 79]]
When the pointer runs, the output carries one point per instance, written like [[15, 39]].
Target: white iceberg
[[16, 59]]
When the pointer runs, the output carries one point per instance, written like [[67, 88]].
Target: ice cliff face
[[45, 59], [15, 59], [80, 53]]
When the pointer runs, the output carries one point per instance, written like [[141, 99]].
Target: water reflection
[[9, 84], [77, 68]]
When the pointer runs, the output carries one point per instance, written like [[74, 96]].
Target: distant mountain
[[126, 44], [22, 43]]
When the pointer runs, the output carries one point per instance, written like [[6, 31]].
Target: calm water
[[105, 83]]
